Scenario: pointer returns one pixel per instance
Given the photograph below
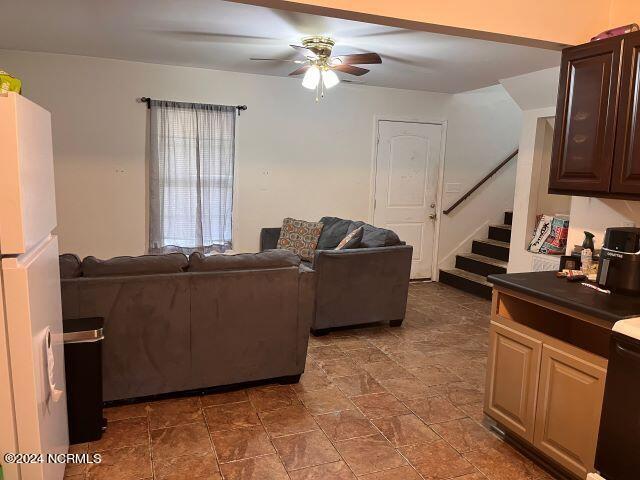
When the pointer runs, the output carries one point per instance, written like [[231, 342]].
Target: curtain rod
[[147, 100]]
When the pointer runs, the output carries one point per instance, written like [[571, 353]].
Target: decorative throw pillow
[[300, 237], [543, 229], [556, 242], [352, 240]]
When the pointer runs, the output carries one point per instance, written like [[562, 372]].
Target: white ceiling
[[223, 35]]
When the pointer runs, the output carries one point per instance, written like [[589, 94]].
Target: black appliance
[[618, 451], [83, 370], [619, 265]]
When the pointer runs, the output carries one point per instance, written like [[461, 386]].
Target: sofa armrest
[[269, 238], [361, 285]]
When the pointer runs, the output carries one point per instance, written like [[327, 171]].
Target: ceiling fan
[[319, 67]]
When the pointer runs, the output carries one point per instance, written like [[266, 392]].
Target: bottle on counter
[[586, 259], [588, 242]]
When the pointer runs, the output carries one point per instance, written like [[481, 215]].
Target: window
[[191, 177]]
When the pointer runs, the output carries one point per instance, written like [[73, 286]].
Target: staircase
[[487, 256]]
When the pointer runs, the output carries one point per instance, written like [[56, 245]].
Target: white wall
[[596, 214], [535, 94], [295, 157], [547, 203], [483, 129]]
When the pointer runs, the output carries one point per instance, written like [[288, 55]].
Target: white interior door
[[407, 169]]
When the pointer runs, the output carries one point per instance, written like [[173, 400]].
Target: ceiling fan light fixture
[[311, 78], [330, 79]]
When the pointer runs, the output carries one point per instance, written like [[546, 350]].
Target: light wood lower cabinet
[[546, 391], [569, 405], [513, 366]]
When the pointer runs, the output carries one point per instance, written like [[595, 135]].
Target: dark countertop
[[546, 286]]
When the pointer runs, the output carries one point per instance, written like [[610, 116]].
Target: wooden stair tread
[[497, 243], [469, 276], [506, 226], [483, 259]]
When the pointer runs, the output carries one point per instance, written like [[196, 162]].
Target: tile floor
[[374, 403]]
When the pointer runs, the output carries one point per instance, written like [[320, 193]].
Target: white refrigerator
[[33, 410]]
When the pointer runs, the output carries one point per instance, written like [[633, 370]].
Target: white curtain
[[191, 177]]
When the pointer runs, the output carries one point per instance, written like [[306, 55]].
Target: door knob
[[432, 216]]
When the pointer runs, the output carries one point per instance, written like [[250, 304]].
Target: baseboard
[[464, 246], [556, 471]]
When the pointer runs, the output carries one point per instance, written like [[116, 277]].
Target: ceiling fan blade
[[304, 51], [358, 59], [299, 71], [276, 60], [350, 69]]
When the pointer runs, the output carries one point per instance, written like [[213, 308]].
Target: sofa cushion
[[352, 240], [142, 265], [243, 261], [334, 230], [300, 237], [375, 236], [70, 265]]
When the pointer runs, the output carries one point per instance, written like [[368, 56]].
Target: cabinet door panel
[[584, 136], [626, 170], [512, 379], [568, 411]]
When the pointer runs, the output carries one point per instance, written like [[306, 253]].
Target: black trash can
[[83, 366]]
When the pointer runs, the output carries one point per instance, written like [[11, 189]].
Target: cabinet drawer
[[512, 379], [568, 409]]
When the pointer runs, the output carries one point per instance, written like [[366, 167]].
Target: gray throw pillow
[[375, 236], [334, 230]]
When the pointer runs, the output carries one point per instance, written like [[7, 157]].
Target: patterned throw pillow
[[352, 240], [556, 242], [300, 237], [543, 229], [550, 236]]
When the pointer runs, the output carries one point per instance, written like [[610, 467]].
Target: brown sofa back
[[142, 265], [243, 261], [192, 330]]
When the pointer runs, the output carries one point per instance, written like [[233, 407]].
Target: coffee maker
[[619, 265]]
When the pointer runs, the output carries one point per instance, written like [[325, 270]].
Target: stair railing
[[480, 183]]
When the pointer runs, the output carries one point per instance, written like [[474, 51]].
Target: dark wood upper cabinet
[[596, 143], [585, 128], [626, 165]]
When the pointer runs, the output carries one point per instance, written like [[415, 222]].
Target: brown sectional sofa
[[175, 325]]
